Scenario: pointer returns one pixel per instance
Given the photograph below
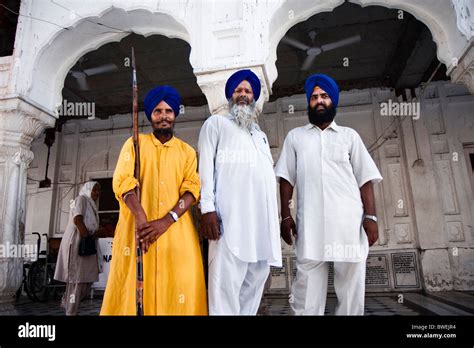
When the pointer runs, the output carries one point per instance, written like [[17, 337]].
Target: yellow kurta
[[173, 268]]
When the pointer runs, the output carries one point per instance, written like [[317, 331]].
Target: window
[[108, 207], [469, 152]]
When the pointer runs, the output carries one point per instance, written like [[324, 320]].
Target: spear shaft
[[136, 145]]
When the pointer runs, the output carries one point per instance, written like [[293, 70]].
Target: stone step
[[434, 306], [461, 300]]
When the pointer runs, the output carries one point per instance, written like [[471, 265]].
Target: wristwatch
[[174, 216], [371, 217]]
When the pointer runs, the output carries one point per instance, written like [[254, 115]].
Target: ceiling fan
[[81, 75], [313, 51]]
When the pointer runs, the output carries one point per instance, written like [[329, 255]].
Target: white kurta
[[238, 182], [328, 168]]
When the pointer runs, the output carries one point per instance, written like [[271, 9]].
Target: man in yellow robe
[[169, 185]]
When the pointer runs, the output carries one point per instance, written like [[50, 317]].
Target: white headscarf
[[86, 191]]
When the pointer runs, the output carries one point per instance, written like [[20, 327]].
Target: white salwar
[[309, 291], [328, 168], [235, 286], [238, 183]]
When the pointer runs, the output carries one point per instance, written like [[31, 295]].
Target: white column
[[463, 69], [20, 123]]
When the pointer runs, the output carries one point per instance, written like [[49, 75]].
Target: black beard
[[318, 118], [166, 132]]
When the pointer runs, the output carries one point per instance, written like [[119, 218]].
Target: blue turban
[[324, 82], [236, 78], [157, 94]]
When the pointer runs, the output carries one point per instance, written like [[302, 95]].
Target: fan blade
[[101, 69], [81, 80], [308, 62], [295, 43], [341, 43]]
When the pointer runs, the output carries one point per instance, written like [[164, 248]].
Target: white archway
[[56, 58], [440, 20]]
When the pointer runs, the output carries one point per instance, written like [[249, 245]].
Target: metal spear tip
[[133, 57]]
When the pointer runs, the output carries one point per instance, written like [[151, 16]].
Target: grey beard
[[245, 115]]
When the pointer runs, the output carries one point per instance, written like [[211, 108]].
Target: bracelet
[[173, 215], [370, 217], [286, 218], [124, 197]]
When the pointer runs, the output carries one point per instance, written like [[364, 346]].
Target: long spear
[[136, 145]]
